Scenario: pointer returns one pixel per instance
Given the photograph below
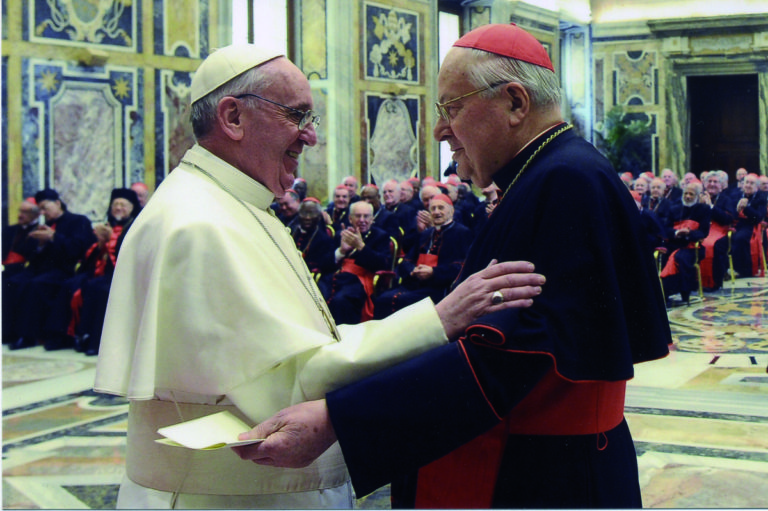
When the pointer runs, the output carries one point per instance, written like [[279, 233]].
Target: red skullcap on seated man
[[442, 197], [509, 41]]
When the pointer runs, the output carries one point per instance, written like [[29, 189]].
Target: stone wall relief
[[173, 131], [635, 77], [181, 32], [391, 44], [393, 148], [110, 23]]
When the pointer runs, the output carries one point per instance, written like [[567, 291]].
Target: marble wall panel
[[4, 139], [82, 131], [314, 39], [391, 44], [112, 24], [314, 160], [173, 131], [393, 145], [635, 77], [181, 28]]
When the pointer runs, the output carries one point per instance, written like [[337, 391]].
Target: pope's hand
[[471, 299], [294, 437]]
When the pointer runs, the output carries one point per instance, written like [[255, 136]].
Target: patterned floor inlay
[[699, 417]]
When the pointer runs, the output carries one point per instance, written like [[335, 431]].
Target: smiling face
[[361, 215], [341, 198], [750, 184], [713, 184], [658, 188], [272, 142], [476, 123], [441, 212], [391, 193], [691, 194], [121, 208]]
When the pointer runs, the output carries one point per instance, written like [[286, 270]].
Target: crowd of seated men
[[57, 270], [697, 227], [377, 249], [373, 251]]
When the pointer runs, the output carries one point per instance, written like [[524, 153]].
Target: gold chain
[[311, 289], [535, 153]]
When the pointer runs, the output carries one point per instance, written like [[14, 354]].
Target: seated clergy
[[382, 217], [405, 214], [431, 266], [289, 208], [315, 242], [29, 295], [672, 191], [363, 251], [747, 241], [690, 224], [89, 303], [715, 261], [657, 203], [337, 213], [15, 244]]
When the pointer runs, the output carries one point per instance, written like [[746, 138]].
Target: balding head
[[426, 194]]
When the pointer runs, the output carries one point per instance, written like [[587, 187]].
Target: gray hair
[[723, 175], [488, 69], [203, 111]]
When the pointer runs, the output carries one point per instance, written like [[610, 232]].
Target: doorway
[[725, 123]]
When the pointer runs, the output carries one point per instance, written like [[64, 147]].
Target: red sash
[[75, 305], [366, 279], [427, 259], [466, 478], [671, 267], [716, 231], [14, 258]]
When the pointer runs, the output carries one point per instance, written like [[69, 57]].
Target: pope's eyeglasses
[[442, 112], [299, 117]]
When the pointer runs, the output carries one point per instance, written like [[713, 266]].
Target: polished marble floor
[[699, 417]]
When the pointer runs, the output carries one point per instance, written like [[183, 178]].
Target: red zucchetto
[[508, 41], [442, 197]]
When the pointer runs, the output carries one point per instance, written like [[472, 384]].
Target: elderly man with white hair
[[690, 224]]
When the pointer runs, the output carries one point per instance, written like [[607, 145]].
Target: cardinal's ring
[[497, 298]]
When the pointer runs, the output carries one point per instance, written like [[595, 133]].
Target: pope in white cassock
[[212, 307]]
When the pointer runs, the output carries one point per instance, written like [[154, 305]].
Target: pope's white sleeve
[[365, 349]]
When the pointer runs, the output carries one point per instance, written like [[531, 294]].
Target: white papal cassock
[[205, 314]]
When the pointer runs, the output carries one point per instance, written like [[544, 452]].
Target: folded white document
[[211, 432]]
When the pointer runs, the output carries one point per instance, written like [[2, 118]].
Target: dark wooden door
[[724, 123]]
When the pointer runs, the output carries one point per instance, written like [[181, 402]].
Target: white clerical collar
[[242, 186]]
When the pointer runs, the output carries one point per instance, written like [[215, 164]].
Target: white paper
[[210, 432]]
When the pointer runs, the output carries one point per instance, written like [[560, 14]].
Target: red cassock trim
[[716, 231], [466, 478], [427, 259], [366, 279], [14, 258]]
